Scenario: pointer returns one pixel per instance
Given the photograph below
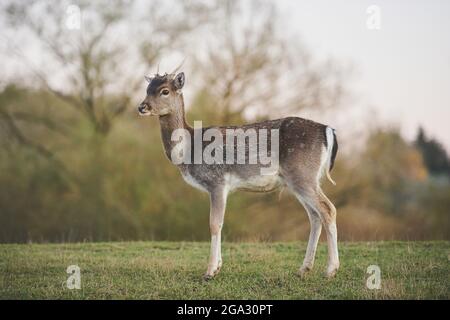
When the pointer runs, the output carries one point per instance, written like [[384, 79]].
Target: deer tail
[[332, 148]]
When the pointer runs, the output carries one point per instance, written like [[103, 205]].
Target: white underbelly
[[259, 183]]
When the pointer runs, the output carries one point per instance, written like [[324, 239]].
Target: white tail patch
[[330, 144]]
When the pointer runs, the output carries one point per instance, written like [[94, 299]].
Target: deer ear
[[178, 82], [148, 79]]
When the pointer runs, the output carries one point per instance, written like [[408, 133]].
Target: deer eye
[[164, 92]]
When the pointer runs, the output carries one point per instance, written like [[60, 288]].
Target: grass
[[172, 270]]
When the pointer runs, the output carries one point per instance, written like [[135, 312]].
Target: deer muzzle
[[144, 109]]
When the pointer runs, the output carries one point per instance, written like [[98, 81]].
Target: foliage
[[121, 187], [434, 154]]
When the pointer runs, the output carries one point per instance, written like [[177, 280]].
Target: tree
[[388, 171], [251, 68], [93, 63], [94, 68], [434, 154]]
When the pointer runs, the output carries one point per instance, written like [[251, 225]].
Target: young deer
[[306, 152]]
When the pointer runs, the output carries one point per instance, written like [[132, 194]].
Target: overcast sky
[[403, 69]]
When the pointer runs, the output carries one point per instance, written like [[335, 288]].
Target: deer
[[306, 152]]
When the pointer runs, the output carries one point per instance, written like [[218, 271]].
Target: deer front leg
[[217, 212]]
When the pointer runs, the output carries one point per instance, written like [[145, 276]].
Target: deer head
[[164, 95]]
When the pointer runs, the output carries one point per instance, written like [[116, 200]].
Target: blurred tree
[[87, 66], [93, 62], [20, 126], [388, 170], [251, 68], [434, 154]]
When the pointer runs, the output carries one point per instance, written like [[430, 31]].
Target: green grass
[[172, 270]]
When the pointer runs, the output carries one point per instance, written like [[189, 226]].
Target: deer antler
[[173, 73]]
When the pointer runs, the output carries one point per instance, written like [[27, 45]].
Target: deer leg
[[217, 212], [333, 255], [314, 235], [327, 212]]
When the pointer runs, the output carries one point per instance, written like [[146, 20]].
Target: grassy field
[[172, 270]]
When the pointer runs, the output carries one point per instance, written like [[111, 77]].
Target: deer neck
[[171, 122]]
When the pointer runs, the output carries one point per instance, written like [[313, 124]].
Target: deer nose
[[143, 108]]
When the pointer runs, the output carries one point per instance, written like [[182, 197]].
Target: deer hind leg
[[216, 217], [327, 212], [320, 210]]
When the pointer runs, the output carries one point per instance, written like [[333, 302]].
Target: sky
[[402, 69]]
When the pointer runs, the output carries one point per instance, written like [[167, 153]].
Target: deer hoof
[[303, 271], [210, 275], [207, 277], [331, 273]]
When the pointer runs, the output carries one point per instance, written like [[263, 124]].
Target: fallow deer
[[306, 152]]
